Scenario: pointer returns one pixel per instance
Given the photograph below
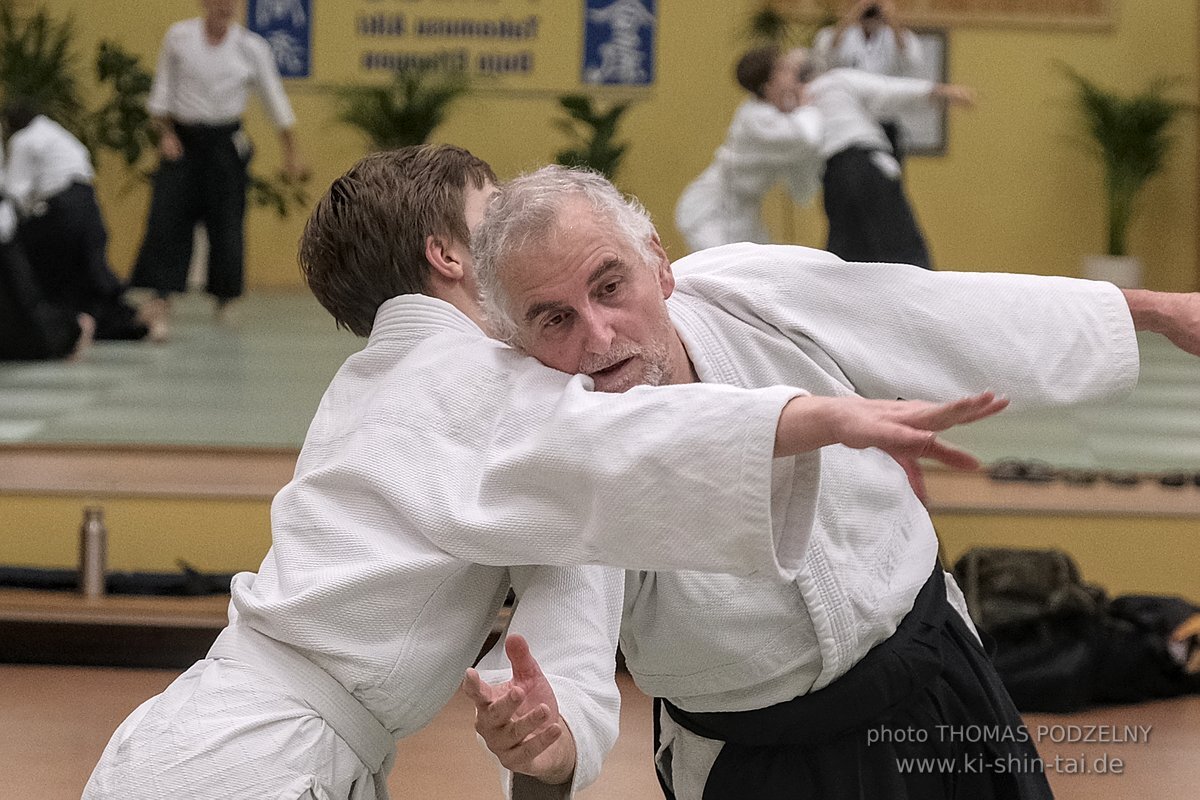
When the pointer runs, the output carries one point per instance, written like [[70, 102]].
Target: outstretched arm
[[1174, 315], [954, 94]]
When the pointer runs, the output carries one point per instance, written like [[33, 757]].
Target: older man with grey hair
[[828, 684]]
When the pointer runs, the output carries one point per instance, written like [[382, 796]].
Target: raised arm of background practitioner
[[544, 726], [838, 47], [829, 39]]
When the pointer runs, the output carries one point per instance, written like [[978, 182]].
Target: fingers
[[951, 456], [475, 688], [515, 733], [939, 417], [525, 667], [908, 428], [916, 478], [497, 714], [501, 708], [523, 756]]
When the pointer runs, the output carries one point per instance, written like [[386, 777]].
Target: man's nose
[[599, 332]]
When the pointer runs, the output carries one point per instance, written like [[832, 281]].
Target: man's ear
[[443, 256], [666, 278]]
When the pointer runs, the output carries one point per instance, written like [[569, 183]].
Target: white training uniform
[[198, 83], [44, 158], [754, 315], [763, 147], [878, 54], [850, 102], [438, 456]]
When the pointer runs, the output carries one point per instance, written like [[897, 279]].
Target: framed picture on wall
[[925, 129]]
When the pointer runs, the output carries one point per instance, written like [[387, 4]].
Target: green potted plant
[[122, 124], [404, 111], [1129, 136], [768, 25], [37, 61], [593, 132]]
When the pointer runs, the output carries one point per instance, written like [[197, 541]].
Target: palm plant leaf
[[37, 62], [1129, 137], [403, 112], [592, 133]]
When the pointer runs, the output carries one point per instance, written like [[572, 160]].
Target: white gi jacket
[[763, 146], [850, 101], [436, 458], [754, 315], [879, 54], [198, 83], [44, 158]]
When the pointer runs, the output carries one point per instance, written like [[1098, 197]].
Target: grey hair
[[526, 213]]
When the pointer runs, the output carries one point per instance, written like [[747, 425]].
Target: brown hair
[[755, 67], [364, 242]]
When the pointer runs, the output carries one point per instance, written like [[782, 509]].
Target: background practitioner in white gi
[[870, 217], [206, 69], [771, 686], [870, 36], [48, 180], [772, 139], [436, 458]]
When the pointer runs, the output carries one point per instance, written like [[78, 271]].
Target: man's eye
[[554, 321], [610, 288]]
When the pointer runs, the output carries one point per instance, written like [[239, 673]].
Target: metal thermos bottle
[[93, 552]]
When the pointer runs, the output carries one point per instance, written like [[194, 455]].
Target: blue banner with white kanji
[[287, 27], [618, 42]]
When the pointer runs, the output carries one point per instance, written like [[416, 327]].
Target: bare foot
[[87, 333], [155, 315], [226, 313]]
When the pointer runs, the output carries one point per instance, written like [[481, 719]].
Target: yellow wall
[[1152, 555], [1125, 555], [1014, 193], [143, 535]]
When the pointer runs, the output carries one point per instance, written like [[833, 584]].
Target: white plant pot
[[1124, 271]]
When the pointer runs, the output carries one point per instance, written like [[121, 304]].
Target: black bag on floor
[[1060, 643]]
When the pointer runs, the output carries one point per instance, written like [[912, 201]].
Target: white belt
[[357, 726]]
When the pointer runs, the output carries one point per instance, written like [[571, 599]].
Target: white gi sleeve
[[571, 619], [165, 83], [502, 461], [885, 96], [822, 48], [764, 130], [910, 61], [267, 80], [24, 157], [900, 331]]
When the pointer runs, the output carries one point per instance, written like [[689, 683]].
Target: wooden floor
[[54, 722]]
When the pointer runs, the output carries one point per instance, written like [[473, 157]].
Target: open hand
[[519, 720], [907, 429]]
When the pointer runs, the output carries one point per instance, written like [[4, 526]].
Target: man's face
[[221, 11], [871, 21], [587, 302]]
